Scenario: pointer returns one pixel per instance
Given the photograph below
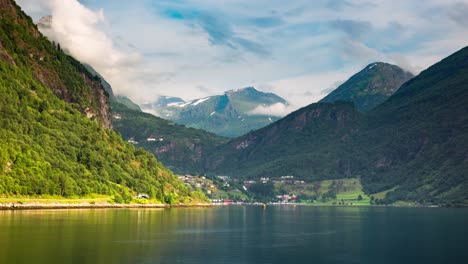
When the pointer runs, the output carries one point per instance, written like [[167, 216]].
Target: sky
[[298, 49]]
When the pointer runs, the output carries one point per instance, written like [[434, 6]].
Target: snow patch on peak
[[176, 104], [199, 101]]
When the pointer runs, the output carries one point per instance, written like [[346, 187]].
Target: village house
[[286, 198], [264, 180], [132, 141], [247, 183]]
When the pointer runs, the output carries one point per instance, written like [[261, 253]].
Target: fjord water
[[236, 234]]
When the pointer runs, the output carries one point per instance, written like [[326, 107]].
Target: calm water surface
[[236, 234]]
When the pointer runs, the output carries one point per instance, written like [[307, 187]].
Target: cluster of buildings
[[289, 179], [197, 182], [286, 198], [150, 139]]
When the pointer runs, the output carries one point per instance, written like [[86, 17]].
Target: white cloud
[[277, 109], [144, 53], [309, 88], [79, 30]]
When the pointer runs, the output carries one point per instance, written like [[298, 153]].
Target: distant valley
[[335, 139], [350, 133]]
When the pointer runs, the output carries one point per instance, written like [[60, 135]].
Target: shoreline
[[13, 206], [57, 205]]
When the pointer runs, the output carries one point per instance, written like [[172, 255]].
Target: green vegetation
[[327, 192], [47, 146], [48, 199], [370, 87], [24, 47], [127, 102], [302, 144], [180, 148], [413, 145]]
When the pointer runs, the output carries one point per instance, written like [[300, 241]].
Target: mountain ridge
[[231, 114], [371, 86], [180, 148], [388, 147]]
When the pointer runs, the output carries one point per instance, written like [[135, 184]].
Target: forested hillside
[[182, 149], [413, 147], [54, 117]]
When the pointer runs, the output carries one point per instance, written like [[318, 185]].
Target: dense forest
[[54, 136]]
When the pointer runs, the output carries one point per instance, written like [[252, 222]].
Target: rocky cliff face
[[22, 44]]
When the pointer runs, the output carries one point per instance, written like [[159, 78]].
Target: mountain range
[[405, 137], [412, 147], [232, 114], [408, 147]]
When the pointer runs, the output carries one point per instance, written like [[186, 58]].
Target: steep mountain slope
[[234, 113], [295, 145], [180, 148], [414, 144], [371, 86], [127, 102], [46, 145], [104, 83], [23, 45], [45, 27], [422, 135]]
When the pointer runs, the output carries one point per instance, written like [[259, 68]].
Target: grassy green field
[[347, 192]]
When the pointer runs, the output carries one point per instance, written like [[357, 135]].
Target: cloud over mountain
[[151, 48]]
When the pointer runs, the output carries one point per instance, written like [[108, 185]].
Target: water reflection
[[236, 234]]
